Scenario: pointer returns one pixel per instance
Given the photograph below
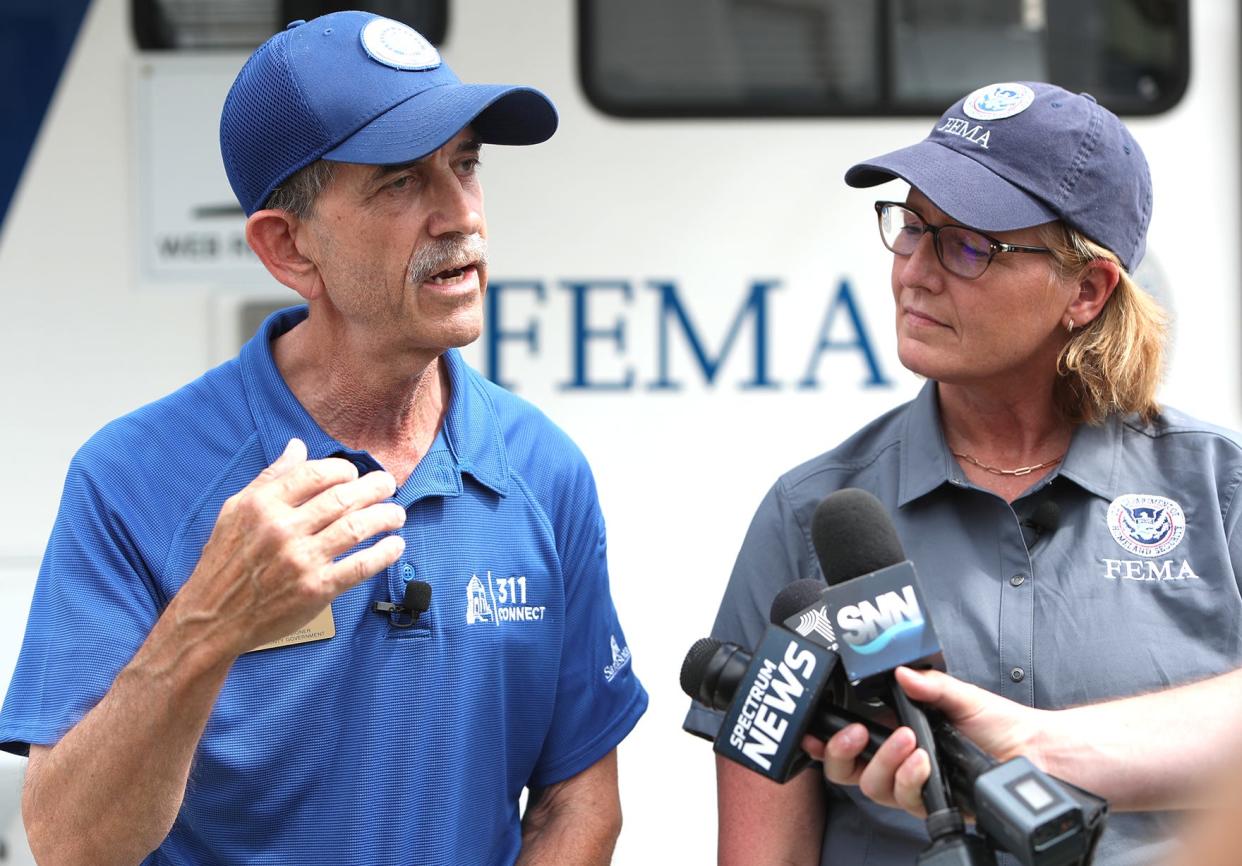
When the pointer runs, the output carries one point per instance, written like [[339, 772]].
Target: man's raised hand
[[269, 566]]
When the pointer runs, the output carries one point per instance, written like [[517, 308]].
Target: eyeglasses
[[962, 251]]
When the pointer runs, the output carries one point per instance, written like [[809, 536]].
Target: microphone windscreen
[[795, 597], [694, 668], [417, 596], [853, 535]]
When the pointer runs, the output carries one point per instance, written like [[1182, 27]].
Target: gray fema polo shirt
[[1135, 589]]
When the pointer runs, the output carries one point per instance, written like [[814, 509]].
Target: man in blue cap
[[232, 655]]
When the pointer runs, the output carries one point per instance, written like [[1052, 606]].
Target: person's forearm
[[1148, 752], [575, 822], [1152, 751], [760, 821], [571, 837], [109, 791]]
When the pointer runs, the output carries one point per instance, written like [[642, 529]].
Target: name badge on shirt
[[321, 627]]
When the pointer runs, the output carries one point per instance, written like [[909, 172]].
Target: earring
[[1069, 326]]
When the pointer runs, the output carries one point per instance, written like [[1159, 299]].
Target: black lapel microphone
[[416, 602], [1044, 520]]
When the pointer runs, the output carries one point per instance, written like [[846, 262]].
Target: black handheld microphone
[[874, 602], [415, 602], [713, 673], [772, 703]]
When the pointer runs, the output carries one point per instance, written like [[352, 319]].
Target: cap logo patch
[[394, 44], [1146, 525], [998, 101]]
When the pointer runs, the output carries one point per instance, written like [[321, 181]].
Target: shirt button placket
[[1017, 612]]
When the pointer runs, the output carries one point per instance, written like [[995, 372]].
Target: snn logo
[[864, 623]]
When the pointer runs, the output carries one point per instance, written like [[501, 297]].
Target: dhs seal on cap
[[998, 101], [1146, 525], [394, 44]]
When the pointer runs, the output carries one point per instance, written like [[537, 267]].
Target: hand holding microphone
[[999, 726], [867, 624], [873, 613]]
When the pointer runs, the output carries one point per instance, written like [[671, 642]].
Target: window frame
[[144, 29], [883, 109]]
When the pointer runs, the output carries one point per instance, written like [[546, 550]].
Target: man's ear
[[273, 235], [1095, 286]]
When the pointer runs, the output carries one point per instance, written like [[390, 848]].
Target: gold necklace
[[1022, 470]]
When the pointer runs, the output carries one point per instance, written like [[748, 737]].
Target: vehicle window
[[766, 58], [198, 25]]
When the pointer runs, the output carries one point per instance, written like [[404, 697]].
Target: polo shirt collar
[[470, 440], [1091, 461], [472, 428], [925, 459], [1094, 456]]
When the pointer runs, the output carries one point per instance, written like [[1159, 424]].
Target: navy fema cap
[[1018, 154], [357, 87]]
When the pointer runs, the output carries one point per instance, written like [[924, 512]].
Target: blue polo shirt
[[1134, 589], [380, 745]]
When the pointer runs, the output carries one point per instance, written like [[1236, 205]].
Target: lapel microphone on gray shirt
[[1044, 520]]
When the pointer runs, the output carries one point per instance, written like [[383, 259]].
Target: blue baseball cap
[[1018, 154], [357, 87]]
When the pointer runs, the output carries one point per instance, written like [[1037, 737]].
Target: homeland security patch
[[998, 101], [1146, 525]]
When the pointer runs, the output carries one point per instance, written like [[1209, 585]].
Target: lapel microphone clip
[[416, 602]]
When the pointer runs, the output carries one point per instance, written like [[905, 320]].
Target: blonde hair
[[1115, 363]]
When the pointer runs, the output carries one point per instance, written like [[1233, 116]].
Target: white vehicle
[[680, 278]]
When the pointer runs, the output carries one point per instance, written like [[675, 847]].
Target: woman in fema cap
[[1076, 544]]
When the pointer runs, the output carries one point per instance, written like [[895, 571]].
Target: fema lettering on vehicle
[[745, 345], [1148, 526], [500, 599], [764, 718]]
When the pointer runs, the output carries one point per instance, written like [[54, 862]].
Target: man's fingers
[[841, 762], [893, 777], [294, 453], [311, 478], [326, 507], [951, 696], [878, 778], [814, 747], [357, 567], [909, 780], [924, 686], [356, 527]]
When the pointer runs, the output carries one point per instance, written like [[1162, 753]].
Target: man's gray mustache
[[445, 254]]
